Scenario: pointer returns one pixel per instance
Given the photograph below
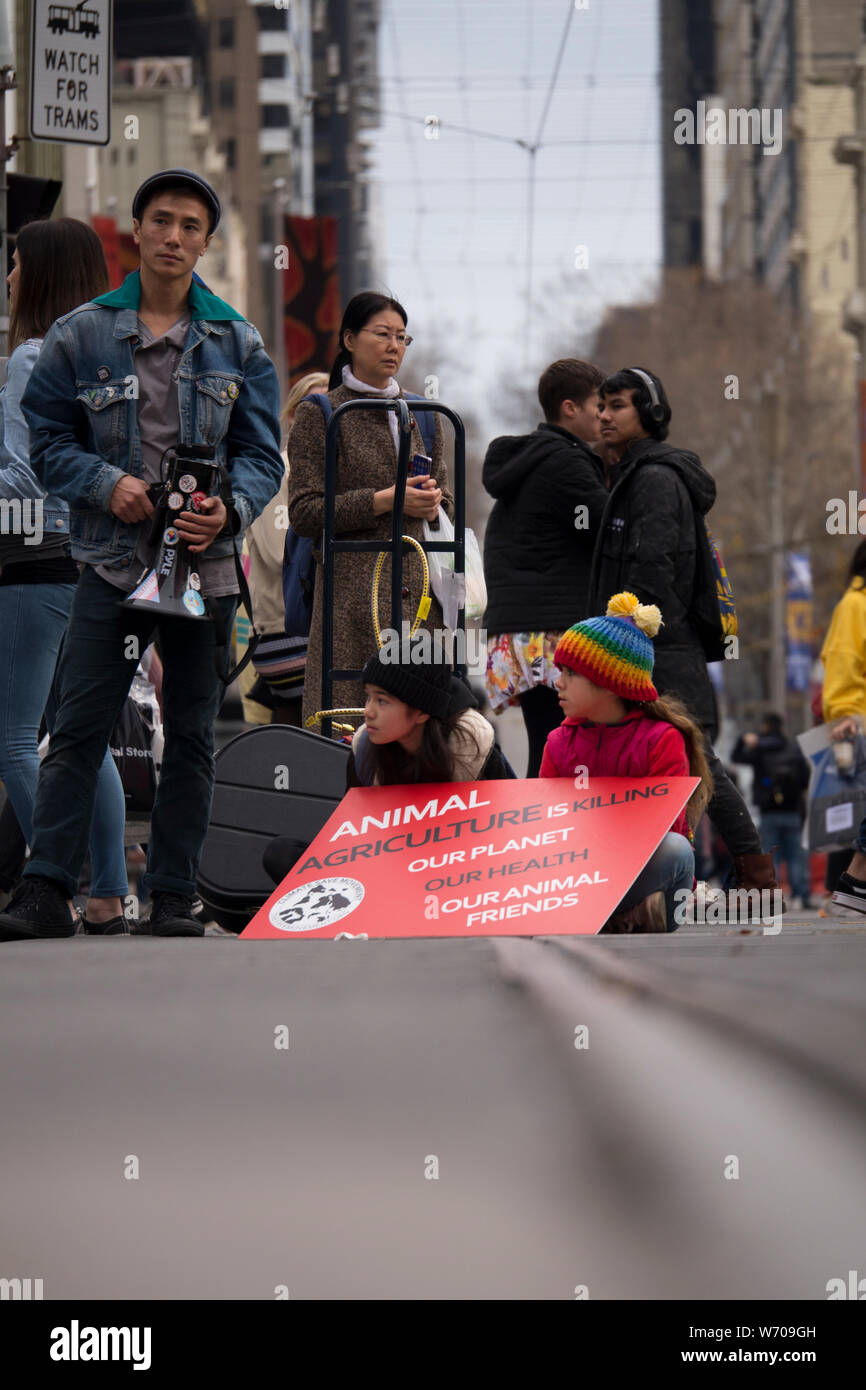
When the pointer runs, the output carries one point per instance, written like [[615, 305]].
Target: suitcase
[[252, 805]]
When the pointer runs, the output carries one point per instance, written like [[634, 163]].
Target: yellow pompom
[[646, 616]]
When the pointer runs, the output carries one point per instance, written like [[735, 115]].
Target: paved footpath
[[656, 1117]]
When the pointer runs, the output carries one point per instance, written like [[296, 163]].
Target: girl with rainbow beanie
[[617, 726]]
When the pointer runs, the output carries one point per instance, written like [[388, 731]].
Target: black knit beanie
[[415, 679]]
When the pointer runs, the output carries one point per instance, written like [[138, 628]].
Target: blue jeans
[[784, 829], [94, 676], [671, 869], [33, 619]]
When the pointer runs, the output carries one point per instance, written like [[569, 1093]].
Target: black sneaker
[[115, 926], [39, 908], [171, 915], [850, 892]]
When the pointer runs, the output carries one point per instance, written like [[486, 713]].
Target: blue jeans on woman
[[670, 870], [33, 619]]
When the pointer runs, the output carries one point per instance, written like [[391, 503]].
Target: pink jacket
[[638, 747]]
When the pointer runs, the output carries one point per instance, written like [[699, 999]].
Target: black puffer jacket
[[647, 545], [781, 771], [536, 562]]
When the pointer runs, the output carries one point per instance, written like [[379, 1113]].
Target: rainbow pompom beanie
[[615, 652]]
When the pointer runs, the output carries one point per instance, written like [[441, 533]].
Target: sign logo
[[316, 904]]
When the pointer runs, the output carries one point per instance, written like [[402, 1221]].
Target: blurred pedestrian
[[58, 264], [781, 776], [648, 545], [844, 707], [373, 343], [550, 496]]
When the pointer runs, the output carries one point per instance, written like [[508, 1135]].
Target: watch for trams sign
[[70, 72]]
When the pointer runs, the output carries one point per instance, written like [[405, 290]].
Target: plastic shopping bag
[[836, 799], [455, 591]]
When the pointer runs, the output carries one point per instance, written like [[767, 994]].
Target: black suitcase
[[252, 805]]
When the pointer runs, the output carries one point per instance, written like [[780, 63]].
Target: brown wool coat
[[366, 463]]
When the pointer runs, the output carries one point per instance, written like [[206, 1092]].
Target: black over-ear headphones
[[656, 411]]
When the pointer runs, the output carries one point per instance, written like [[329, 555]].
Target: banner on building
[[798, 619], [530, 857], [311, 296]]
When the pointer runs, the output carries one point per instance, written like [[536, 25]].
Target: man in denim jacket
[[157, 362]]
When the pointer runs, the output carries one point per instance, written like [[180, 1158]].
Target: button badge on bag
[[193, 603], [171, 536], [233, 390], [186, 482], [175, 501], [194, 581]]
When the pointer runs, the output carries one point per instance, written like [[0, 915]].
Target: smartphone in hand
[[420, 467]]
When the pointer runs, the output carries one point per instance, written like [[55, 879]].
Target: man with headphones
[[647, 544]]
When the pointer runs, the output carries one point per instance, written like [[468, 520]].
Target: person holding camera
[[156, 365]]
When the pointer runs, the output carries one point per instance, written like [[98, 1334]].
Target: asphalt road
[[432, 1130]]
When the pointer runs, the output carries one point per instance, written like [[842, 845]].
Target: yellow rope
[[424, 601], [321, 714], [423, 610]]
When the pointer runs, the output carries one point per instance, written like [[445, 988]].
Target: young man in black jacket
[[647, 544], [550, 496]]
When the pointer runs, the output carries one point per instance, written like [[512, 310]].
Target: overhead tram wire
[[530, 190]]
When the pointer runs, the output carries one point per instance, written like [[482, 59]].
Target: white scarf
[[392, 389]]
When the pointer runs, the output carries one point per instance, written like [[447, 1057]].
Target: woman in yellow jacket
[[844, 705]]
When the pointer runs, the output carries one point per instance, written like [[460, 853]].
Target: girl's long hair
[[672, 711], [434, 761], [358, 312], [61, 265]]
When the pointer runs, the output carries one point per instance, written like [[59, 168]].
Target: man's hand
[[129, 500], [198, 529]]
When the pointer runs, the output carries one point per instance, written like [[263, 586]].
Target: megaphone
[[170, 582]]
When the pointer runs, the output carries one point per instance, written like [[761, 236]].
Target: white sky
[[453, 230]]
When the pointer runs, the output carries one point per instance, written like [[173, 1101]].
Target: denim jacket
[[81, 405], [17, 479]]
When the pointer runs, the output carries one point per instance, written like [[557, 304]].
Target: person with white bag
[[844, 706], [373, 342]]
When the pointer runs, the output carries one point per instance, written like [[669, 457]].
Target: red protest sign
[[513, 858]]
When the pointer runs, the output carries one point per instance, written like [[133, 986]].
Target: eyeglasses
[[403, 339]]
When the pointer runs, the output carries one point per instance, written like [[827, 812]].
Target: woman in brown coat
[[373, 342]]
